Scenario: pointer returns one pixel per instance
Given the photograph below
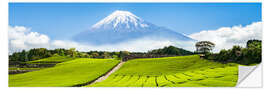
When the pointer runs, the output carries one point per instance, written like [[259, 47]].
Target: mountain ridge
[[121, 26]]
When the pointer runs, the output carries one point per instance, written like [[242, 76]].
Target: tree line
[[39, 53], [250, 54], [243, 55]]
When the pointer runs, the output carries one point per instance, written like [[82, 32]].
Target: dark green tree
[[204, 46]]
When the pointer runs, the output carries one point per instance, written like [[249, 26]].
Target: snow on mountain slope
[[122, 26], [121, 20]]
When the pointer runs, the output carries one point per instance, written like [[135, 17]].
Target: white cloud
[[20, 37], [35, 38], [226, 37]]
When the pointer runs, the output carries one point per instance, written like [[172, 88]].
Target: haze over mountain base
[[138, 45]]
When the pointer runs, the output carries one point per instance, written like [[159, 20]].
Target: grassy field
[[68, 73], [50, 61], [181, 71], [54, 59]]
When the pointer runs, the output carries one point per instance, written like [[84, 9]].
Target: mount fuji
[[121, 26]]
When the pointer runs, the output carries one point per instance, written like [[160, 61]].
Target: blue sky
[[63, 20]]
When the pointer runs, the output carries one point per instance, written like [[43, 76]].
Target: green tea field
[[54, 59], [180, 71], [69, 73]]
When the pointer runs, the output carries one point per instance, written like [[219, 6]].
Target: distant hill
[[170, 50]]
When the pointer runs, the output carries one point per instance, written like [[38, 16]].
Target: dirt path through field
[[109, 73]]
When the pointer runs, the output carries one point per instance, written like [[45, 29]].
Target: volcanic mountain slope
[[121, 26]]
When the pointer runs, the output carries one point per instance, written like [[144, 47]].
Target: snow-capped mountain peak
[[121, 20], [123, 26]]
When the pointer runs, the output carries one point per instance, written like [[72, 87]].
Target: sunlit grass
[[180, 71], [68, 73]]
